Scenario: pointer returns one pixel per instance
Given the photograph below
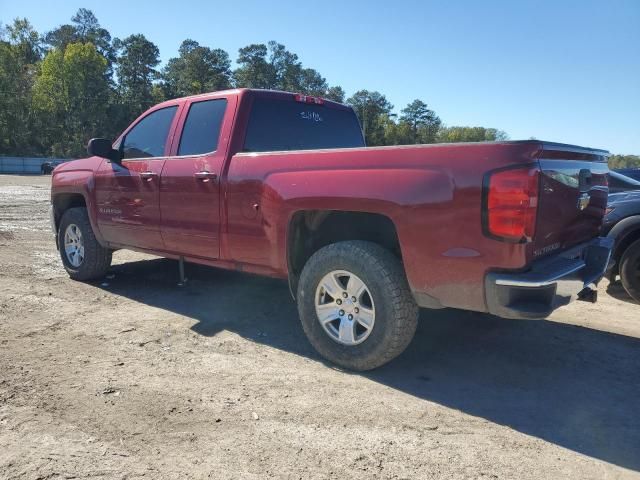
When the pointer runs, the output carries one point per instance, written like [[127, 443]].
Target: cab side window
[[202, 127], [149, 136]]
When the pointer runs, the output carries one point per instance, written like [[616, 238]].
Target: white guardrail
[[26, 165]]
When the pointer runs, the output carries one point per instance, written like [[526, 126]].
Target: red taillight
[[308, 99], [511, 204]]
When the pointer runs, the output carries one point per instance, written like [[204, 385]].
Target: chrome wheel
[[345, 307], [73, 245]]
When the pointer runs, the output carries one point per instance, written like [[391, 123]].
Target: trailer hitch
[[588, 294]]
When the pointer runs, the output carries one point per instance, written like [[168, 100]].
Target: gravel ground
[[133, 377]]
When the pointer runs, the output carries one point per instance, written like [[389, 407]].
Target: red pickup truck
[[281, 184]]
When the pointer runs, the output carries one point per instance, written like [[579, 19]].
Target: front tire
[[82, 255], [630, 270], [355, 305]]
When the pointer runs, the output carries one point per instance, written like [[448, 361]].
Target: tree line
[[63, 87], [624, 161]]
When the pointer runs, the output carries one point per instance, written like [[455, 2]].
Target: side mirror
[[101, 147]]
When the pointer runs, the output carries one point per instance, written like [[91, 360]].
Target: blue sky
[[565, 71]]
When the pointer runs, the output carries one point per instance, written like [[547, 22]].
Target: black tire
[[630, 270], [396, 316], [97, 259]]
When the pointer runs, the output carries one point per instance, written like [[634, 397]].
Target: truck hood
[[616, 199], [90, 164]]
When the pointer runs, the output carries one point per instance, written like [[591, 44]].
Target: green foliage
[[285, 67], [197, 70], [25, 41], [254, 71], [70, 96], [372, 109], [61, 36], [19, 55], [470, 134], [136, 61], [336, 94], [624, 161], [274, 67], [421, 122], [85, 28]]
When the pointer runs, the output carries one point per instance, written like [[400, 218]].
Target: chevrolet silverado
[[281, 184]]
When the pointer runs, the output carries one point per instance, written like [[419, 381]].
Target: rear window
[[289, 125], [202, 127]]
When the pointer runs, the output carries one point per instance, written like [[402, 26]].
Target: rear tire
[[386, 304], [630, 270], [82, 256]]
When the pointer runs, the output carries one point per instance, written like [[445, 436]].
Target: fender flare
[[85, 189]]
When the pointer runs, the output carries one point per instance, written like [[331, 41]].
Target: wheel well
[[63, 202], [627, 240], [311, 230]]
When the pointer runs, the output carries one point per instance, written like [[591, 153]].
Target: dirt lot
[[134, 377]]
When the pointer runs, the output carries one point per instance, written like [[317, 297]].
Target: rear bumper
[[550, 283]]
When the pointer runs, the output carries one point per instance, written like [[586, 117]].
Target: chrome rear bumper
[[549, 283]]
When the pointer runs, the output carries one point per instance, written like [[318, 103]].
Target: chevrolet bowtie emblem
[[583, 201]]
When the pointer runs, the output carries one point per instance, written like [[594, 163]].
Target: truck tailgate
[[573, 197]]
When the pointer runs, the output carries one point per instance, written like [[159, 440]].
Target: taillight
[[511, 204], [308, 99]]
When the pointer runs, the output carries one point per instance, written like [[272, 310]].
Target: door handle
[[204, 175], [148, 175]]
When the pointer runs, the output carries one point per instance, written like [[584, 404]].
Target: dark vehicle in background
[[622, 223], [47, 167], [629, 172]]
